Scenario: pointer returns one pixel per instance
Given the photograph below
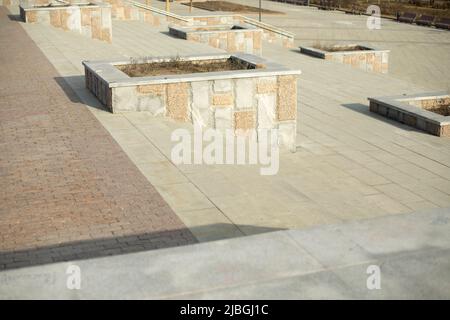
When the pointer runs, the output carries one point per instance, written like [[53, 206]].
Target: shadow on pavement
[[102, 247], [364, 109]]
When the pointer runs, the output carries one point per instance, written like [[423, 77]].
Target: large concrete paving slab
[[327, 262]]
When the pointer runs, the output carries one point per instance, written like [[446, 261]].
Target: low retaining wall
[[212, 20], [131, 10], [371, 60], [231, 38], [92, 20], [270, 34], [261, 98], [409, 109]]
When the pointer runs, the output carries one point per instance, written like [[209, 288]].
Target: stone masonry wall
[[410, 119], [90, 21], [245, 40], [122, 10], [430, 103], [268, 34], [240, 104], [376, 61], [216, 20]]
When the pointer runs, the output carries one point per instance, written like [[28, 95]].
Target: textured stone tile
[[178, 101], [244, 120], [287, 98]]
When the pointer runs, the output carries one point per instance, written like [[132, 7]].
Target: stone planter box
[[368, 59], [129, 10], [410, 110], [231, 38], [264, 97], [91, 19], [270, 33], [132, 10]]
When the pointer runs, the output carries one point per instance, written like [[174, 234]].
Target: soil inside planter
[[228, 6], [443, 110], [182, 67], [339, 48]]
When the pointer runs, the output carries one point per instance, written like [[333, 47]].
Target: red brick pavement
[[67, 190]]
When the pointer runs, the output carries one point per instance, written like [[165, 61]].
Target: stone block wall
[[411, 113], [93, 21], [129, 10], [215, 20], [239, 104], [368, 60], [270, 33], [239, 40], [430, 103], [124, 10]]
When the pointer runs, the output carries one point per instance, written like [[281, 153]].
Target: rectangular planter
[[270, 33], [409, 109], [231, 38], [369, 59], [91, 19], [264, 97], [132, 10]]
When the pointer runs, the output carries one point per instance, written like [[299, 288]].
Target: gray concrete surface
[[327, 262]]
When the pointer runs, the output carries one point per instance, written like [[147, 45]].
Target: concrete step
[[412, 252]]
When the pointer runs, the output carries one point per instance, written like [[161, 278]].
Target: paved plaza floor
[[79, 182]]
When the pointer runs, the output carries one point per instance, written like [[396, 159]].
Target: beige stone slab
[[249, 204], [350, 208], [395, 176], [429, 165], [209, 224], [161, 173], [129, 137], [433, 195], [184, 196], [397, 192], [115, 122], [215, 185], [439, 183], [142, 118], [307, 214], [385, 157], [367, 176], [387, 204], [352, 152], [415, 171], [143, 153], [342, 162]]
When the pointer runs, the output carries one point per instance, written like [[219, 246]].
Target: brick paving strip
[[67, 190]]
